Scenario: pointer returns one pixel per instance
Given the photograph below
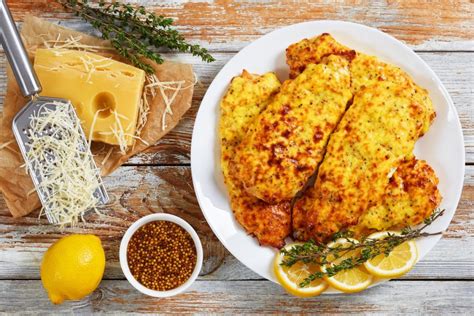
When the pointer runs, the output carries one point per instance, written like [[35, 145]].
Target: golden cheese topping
[[410, 197], [105, 93], [312, 51], [286, 142], [377, 132], [365, 70], [368, 70], [245, 98]]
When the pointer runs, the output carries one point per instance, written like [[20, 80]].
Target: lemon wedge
[[291, 277], [400, 260], [347, 281]]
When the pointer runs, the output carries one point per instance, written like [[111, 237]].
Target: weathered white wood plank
[[244, 297], [229, 25], [221, 42], [138, 191], [456, 71]]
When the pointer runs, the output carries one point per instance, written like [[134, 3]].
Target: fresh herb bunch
[[319, 254], [133, 31]]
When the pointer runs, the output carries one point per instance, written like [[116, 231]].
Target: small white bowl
[[124, 262]]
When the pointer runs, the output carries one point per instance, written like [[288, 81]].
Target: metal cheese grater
[[30, 87]]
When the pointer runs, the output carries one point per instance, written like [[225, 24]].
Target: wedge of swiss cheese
[[98, 87]]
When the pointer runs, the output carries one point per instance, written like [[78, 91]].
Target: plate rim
[[441, 86]]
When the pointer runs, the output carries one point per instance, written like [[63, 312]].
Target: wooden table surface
[[159, 180]]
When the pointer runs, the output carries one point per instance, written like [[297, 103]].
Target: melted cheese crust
[[369, 179], [377, 132], [246, 97], [410, 197], [368, 70], [365, 70], [286, 142], [312, 51]]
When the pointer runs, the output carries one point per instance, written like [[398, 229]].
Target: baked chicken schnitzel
[[246, 97], [286, 142], [365, 70], [410, 197], [375, 135], [368, 181], [385, 131]]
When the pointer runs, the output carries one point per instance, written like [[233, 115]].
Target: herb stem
[[133, 31]]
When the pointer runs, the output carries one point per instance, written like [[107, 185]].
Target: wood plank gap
[[431, 280], [157, 164], [396, 280], [442, 51]]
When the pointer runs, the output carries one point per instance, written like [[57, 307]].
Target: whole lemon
[[72, 267]]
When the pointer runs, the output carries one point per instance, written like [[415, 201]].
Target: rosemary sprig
[[319, 254], [133, 31]]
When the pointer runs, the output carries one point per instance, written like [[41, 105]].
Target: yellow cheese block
[[94, 84]]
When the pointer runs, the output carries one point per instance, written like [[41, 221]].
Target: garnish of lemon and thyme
[[134, 32], [347, 264]]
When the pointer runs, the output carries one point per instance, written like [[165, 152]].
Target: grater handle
[[16, 53]]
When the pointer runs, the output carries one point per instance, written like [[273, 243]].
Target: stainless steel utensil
[[30, 87]]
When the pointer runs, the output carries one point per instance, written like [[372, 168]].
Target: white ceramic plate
[[442, 146]]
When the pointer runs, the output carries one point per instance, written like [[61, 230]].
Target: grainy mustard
[[161, 255]]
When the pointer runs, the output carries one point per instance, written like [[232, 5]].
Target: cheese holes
[[127, 73], [105, 103]]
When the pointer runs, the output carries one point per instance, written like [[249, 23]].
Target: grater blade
[[21, 130]]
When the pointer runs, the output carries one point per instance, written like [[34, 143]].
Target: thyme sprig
[[133, 31], [320, 254]]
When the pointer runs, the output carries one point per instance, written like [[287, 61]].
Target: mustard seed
[[161, 255]]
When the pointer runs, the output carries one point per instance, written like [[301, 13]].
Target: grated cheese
[[73, 43], [143, 111], [68, 176], [107, 156], [119, 134], [94, 119], [5, 145], [155, 84]]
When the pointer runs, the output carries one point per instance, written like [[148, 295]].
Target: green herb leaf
[[134, 32]]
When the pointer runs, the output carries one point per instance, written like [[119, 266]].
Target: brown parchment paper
[[15, 184]]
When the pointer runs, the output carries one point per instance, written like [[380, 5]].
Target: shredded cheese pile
[[56, 154]]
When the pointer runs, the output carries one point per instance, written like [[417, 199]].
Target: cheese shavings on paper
[[152, 85]]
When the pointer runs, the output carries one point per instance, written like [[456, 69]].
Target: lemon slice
[[291, 277], [400, 260], [347, 281]]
